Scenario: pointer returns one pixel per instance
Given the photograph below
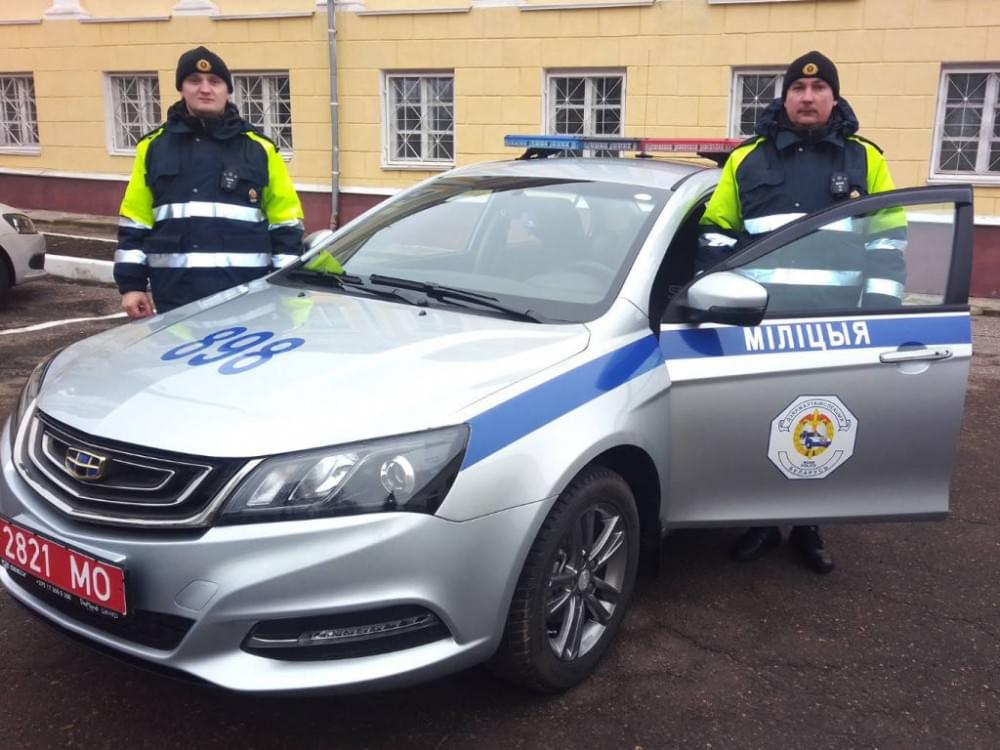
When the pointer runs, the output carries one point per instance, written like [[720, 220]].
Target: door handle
[[914, 355]]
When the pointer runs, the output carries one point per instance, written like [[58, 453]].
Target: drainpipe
[[331, 32]]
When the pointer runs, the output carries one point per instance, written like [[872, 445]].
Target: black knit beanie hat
[[202, 60], [812, 65]]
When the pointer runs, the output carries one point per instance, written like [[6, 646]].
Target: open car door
[[820, 401]]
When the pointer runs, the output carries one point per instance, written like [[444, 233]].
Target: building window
[[420, 119], [135, 105], [264, 99], [753, 91], [585, 104], [967, 132], [18, 120]]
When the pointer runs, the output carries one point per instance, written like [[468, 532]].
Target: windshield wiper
[[354, 283], [452, 295], [322, 277]]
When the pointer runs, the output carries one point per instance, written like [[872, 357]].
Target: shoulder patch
[[861, 138]]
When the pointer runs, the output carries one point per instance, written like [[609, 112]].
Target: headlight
[[21, 223], [409, 473], [28, 395]]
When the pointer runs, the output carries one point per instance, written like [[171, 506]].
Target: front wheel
[[575, 586], [6, 281]]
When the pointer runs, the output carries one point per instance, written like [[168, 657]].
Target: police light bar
[[716, 149]]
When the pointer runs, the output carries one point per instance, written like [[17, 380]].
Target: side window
[[889, 259]]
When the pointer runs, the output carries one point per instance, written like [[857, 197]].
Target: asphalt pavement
[[898, 648]]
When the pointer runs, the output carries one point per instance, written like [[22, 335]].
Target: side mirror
[[319, 239], [725, 297]]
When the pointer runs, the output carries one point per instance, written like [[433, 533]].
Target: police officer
[[806, 156], [209, 204]]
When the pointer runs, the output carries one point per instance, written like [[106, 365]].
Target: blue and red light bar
[[711, 148]]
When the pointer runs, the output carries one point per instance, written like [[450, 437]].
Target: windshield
[[557, 248]]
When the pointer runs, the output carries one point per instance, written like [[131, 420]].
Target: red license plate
[[94, 584]]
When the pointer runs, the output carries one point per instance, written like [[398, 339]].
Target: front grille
[[146, 628], [37, 262], [104, 481]]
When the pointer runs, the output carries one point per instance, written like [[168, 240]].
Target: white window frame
[[985, 128], [549, 104], [736, 94], [270, 100], [27, 113], [112, 104], [388, 125]]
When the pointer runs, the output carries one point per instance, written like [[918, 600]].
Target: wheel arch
[[8, 264], [638, 469]]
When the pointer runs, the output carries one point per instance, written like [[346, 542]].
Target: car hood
[[365, 368]]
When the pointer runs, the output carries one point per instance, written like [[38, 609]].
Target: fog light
[[367, 632], [345, 636]]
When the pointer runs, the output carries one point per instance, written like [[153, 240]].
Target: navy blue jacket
[[209, 205]]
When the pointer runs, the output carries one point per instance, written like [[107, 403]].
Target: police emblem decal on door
[[811, 437]]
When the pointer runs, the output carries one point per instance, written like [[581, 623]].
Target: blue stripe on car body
[[501, 425]]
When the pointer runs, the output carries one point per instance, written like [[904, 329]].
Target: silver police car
[[448, 435]]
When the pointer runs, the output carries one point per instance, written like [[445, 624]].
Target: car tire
[[585, 552], [6, 281]]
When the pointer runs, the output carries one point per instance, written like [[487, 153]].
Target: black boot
[[753, 543], [809, 544]]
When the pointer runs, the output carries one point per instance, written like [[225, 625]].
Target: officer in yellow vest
[[209, 204], [806, 155]]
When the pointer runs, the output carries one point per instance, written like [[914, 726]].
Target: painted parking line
[[54, 323], [88, 237]]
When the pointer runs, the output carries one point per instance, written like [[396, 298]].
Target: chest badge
[[252, 195], [855, 194]]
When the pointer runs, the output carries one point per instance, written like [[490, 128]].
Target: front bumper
[[27, 255], [228, 579]]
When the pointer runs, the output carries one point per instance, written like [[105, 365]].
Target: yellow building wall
[[127, 9], [677, 55], [69, 60], [23, 9]]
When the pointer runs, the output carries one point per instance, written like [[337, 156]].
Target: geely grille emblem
[[85, 465]]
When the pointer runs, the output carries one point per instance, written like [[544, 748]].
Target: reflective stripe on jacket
[[209, 205]]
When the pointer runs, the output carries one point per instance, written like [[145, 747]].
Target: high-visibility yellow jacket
[[209, 205]]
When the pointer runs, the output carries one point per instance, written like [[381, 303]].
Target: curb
[[80, 269]]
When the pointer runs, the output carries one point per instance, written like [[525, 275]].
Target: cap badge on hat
[[205, 66], [809, 69]]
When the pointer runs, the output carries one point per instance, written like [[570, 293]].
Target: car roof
[[653, 173]]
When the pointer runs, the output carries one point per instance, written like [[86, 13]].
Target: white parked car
[[22, 250]]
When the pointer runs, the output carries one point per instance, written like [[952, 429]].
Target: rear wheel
[[575, 586]]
